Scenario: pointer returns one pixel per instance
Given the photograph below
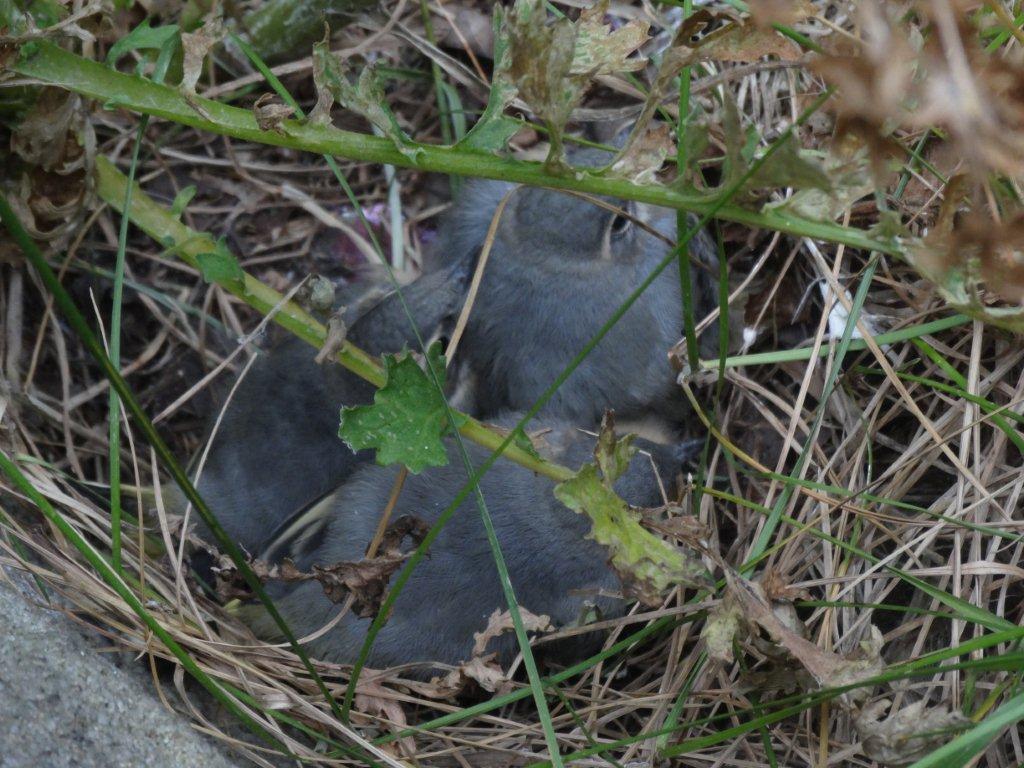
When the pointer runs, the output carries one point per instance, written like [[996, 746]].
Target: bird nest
[[866, 479]]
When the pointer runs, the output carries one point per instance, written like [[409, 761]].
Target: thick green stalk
[[55, 66], [186, 244]]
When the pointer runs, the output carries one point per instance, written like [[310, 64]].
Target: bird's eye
[[619, 225]]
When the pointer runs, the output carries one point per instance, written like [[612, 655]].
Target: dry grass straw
[[937, 483]]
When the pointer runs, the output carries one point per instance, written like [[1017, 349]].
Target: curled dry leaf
[[500, 622], [907, 735], [270, 112], [337, 332], [483, 667], [195, 46], [365, 580], [320, 293], [552, 64], [372, 698], [53, 148]]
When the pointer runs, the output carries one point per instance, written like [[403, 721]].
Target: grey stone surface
[[62, 703]]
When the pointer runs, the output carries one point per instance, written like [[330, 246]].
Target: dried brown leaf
[[500, 622], [195, 46], [372, 698], [786, 12], [749, 42], [599, 50], [482, 667], [642, 158], [829, 669], [907, 735], [552, 64], [270, 112]]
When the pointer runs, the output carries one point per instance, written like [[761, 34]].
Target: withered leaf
[[643, 157], [500, 622], [600, 50], [195, 46], [270, 112], [365, 97], [552, 63], [785, 12], [372, 698], [829, 669], [720, 629], [972, 259], [483, 667], [791, 166], [747, 43], [847, 180], [367, 579], [907, 735]]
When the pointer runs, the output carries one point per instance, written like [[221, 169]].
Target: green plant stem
[[186, 244], [806, 353], [55, 66], [682, 161], [113, 400]]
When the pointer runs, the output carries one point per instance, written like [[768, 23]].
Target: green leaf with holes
[[647, 565]]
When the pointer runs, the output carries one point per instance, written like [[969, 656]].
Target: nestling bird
[[559, 267], [554, 569], [277, 448]]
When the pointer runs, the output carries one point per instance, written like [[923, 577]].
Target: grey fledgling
[[277, 448], [559, 267], [554, 569]]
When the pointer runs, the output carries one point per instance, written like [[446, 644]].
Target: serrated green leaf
[[143, 38], [181, 200], [791, 166], [493, 130], [408, 416], [221, 267], [647, 565]]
